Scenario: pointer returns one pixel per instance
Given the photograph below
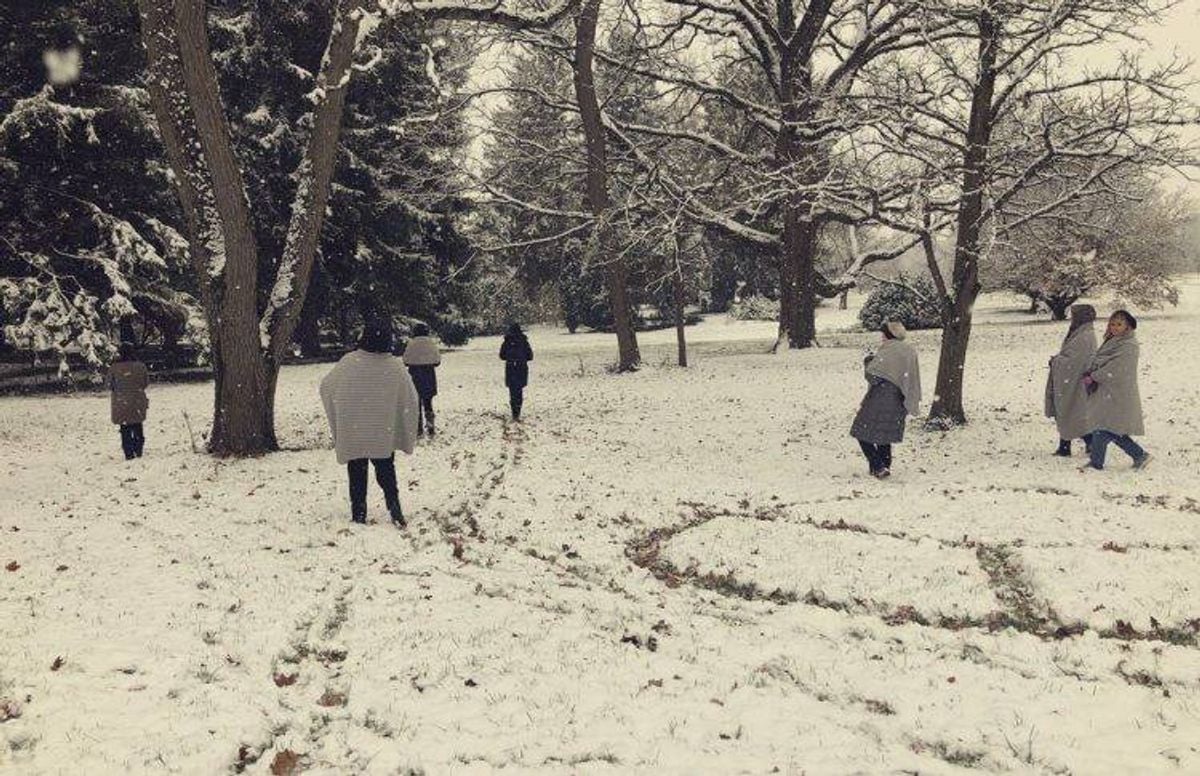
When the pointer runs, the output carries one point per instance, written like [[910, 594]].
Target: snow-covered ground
[[677, 571]]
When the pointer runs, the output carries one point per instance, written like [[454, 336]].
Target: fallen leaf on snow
[[285, 763], [332, 698], [13, 566], [9, 709], [58, 663], [285, 680]]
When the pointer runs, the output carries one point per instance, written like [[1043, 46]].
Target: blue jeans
[[1100, 440]]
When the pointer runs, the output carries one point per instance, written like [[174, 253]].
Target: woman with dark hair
[[422, 358], [128, 380], [372, 410], [1114, 402], [516, 354], [894, 379], [1066, 395]]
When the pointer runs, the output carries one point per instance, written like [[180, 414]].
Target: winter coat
[[128, 381], [897, 362], [422, 351], [371, 405], [894, 378], [880, 418], [516, 355], [422, 358], [1115, 404], [1066, 396]]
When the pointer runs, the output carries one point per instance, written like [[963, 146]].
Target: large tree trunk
[[947, 406], [795, 159], [314, 179], [616, 272], [187, 102], [184, 90]]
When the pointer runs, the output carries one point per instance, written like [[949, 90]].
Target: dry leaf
[[285, 763]]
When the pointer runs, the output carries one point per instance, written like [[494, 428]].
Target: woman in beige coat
[[1066, 395], [1114, 403], [127, 379]]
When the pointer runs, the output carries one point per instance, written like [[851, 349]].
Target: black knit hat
[[377, 335]]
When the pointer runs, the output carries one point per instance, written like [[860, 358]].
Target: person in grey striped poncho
[[371, 405]]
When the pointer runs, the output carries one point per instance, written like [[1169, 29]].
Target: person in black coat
[[516, 355], [422, 358]]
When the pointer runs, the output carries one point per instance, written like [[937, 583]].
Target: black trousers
[[133, 441], [878, 456], [516, 397], [385, 475], [424, 413]]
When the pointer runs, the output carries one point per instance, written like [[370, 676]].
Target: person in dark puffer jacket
[[516, 354]]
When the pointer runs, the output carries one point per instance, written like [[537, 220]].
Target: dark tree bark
[[947, 406], [616, 272]]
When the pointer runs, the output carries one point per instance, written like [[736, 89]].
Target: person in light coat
[[1114, 403], [372, 409], [894, 391], [422, 359], [1066, 395], [128, 380]]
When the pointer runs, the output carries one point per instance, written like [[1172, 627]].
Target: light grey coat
[[1066, 397], [1116, 405], [371, 405]]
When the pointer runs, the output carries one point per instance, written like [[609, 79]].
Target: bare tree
[[248, 345], [768, 123], [595, 141]]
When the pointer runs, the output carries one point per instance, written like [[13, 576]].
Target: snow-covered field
[[677, 571]]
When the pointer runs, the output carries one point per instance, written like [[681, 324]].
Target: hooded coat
[[422, 359], [371, 406], [128, 381], [1116, 404], [1066, 396], [516, 354], [894, 377]]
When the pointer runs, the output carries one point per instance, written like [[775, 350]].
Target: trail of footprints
[[311, 724]]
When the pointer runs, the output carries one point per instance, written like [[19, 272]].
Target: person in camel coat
[[128, 380]]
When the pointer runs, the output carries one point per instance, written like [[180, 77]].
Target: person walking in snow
[[1066, 395], [422, 359], [1114, 403], [894, 391], [372, 409], [516, 354], [128, 379]]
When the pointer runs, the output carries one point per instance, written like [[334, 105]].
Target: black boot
[[397, 515], [1064, 448], [1087, 443], [429, 425], [358, 513]]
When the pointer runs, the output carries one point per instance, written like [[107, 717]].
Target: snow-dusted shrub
[[913, 302], [755, 308]]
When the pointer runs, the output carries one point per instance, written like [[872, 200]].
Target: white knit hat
[[896, 329]]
